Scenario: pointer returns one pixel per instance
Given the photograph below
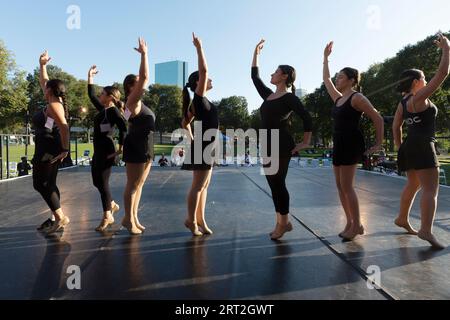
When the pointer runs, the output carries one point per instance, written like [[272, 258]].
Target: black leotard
[[139, 146], [275, 114], [348, 140], [418, 151], [206, 112]]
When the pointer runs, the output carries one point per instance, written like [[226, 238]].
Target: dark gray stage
[[239, 261]]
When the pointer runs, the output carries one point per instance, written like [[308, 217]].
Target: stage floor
[[239, 261]]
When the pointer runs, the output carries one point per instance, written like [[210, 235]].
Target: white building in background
[[301, 93]]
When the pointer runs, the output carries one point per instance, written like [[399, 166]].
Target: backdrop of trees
[[20, 93]]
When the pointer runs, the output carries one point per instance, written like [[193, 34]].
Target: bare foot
[[203, 227], [406, 225], [347, 227], [132, 229], [193, 227], [353, 233], [138, 224], [431, 239]]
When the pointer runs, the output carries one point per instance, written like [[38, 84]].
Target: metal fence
[[15, 147]]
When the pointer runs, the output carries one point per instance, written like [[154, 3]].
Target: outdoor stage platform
[[239, 261]]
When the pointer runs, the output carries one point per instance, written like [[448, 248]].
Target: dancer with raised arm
[[199, 109], [109, 116], [51, 145], [138, 148], [275, 112], [417, 153], [348, 141]]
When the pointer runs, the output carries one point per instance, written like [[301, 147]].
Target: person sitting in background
[[163, 162], [23, 167]]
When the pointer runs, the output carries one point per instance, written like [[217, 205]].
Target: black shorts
[[417, 153], [138, 149], [348, 148]]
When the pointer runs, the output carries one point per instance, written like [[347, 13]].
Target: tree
[[13, 97], [233, 113], [166, 102]]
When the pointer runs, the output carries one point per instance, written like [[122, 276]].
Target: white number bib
[[49, 123]]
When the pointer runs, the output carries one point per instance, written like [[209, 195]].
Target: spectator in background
[[163, 162], [23, 167]]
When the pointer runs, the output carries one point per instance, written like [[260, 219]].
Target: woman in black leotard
[[109, 116], [200, 109], [51, 145], [417, 153], [348, 141], [138, 147], [275, 114]]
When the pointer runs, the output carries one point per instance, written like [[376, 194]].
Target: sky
[[296, 31]]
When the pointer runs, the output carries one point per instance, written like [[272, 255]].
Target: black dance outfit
[[275, 115], [139, 145], [47, 147], [206, 112], [418, 151], [348, 140], [104, 123]]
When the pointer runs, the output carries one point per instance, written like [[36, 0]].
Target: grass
[[16, 152]]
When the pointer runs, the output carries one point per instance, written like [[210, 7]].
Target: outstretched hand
[[328, 49], [44, 58], [259, 47], [442, 42], [197, 41], [142, 46]]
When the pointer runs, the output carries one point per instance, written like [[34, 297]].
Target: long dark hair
[[353, 74], [192, 85], [128, 83], [407, 79], [58, 90], [292, 76], [115, 94]]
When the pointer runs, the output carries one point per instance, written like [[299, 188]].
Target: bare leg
[[348, 174], [200, 213], [337, 174], [407, 199], [148, 168], [429, 180], [199, 182], [135, 172]]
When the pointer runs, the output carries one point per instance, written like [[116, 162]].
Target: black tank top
[[346, 118], [421, 124], [47, 140]]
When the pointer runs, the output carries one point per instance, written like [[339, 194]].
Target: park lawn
[[16, 152]]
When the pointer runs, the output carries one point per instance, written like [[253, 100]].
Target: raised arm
[[262, 89], [441, 74], [397, 126], [363, 104], [44, 59], [91, 90], [202, 86], [329, 85], [143, 80]]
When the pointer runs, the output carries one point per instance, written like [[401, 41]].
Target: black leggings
[[44, 182], [101, 171], [277, 183]]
